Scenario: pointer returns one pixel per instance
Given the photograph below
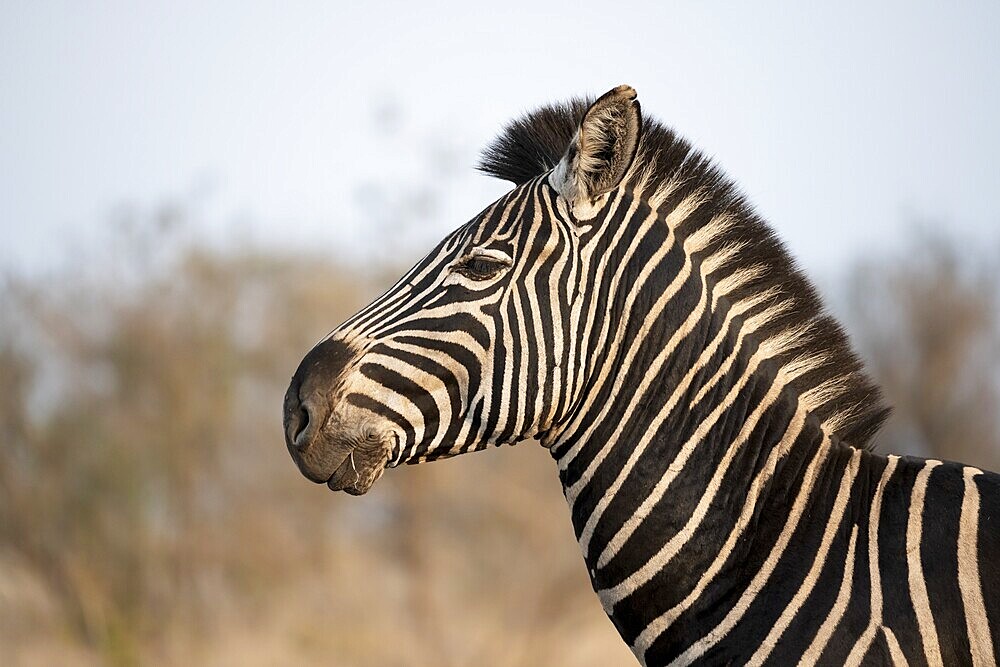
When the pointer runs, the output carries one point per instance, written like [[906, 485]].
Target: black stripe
[[938, 553]]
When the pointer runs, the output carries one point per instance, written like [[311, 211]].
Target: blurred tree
[[147, 502], [129, 492], [928, 320]]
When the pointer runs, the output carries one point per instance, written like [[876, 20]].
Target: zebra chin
[[358, 473]]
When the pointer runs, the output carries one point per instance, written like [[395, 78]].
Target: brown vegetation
[[928, 319], [149, 512]]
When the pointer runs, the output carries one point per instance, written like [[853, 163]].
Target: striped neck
[[689, 429]]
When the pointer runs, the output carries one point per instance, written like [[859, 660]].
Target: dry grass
[[149, 513]]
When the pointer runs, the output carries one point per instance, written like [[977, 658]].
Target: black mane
[[667, 170]]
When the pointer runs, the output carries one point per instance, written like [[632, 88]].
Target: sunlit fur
[[708, 420]]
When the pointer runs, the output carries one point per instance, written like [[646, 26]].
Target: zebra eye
[[480, 267]]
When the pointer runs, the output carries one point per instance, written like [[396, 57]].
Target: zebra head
[[477, 344]]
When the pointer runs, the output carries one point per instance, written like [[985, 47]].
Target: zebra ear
[[601, 152]]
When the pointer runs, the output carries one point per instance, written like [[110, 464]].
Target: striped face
[[466, 350], [475, 345]]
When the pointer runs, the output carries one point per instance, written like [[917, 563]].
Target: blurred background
[[191, 196]]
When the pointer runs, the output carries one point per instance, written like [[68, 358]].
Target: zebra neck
[[670, 478], [716, 399]]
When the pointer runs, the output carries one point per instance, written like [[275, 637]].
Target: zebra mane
[[667, 171]]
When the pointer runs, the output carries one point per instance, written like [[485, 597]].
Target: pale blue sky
[[841, 123]]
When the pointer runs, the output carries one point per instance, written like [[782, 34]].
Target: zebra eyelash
[[481, 265]]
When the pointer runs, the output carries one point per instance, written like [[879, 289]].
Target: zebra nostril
[[301, 421], [300, 424], [312, 392]]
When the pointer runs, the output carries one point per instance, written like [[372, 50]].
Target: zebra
[[711, 425]]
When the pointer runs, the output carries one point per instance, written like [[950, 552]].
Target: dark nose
[[302, 420], [309, 396]]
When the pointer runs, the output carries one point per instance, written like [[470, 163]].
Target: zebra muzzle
[[331, 441], [343, 447]]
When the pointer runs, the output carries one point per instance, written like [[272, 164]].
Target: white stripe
[[895, 652], [864, 642], [915, 570], [976, 621]]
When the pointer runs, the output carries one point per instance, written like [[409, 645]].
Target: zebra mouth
[[359, 471]]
